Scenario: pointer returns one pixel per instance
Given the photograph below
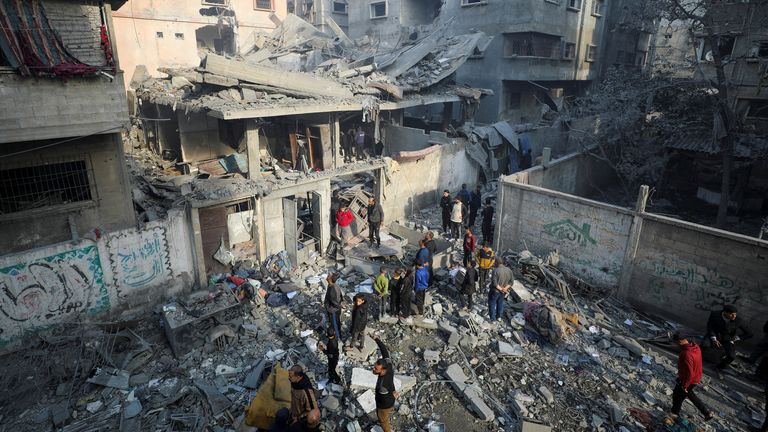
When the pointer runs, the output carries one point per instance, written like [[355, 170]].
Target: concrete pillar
[[258, 229], [252, 148], [627, 265], [201, 278], [546, 157], [336, 140]]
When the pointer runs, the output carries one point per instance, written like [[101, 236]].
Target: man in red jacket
[[344, 218], [689, 371]]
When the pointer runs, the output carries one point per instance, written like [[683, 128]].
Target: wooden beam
[[264, 75]]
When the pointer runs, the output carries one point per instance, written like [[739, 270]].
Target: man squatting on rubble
[[385, 386], [722, 329], [689, 371]]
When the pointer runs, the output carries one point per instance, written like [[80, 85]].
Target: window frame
[[597, 8], [466, 3], [224, 3], [591, 49], [346, 7], [556, 47], [573, 51], [372, 5], [271, 5], [577, 8], [93, 192]]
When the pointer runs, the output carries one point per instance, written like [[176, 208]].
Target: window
[[379, 10], [340, 7], [591, 53], [263, 5], [574, 5], [725, 46], [179, 36], [641, 58], [216, 2], [597, 8], [159, 35], [529, 44], [761, 50], [473, 2], [42, 186], [757, 108], [569, 50]]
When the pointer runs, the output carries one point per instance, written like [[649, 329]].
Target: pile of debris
[[561, 359]]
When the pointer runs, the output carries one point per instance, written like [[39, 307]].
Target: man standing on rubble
[[344, 218], [348, 141], [331, 350], [394, 295], [487, 223], [458, 211], [503, 278], [420, 287], [445, 206], [381, 285], [303, 400], [722, 329], [470, 241], [406, 292], [429, 243], [464, 195], [360, 143], [332, 303], [689, 371], [475, 202], [375, 217], [485, 258], [468, 286], [385, 386]]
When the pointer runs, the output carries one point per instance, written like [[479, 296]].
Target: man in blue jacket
[[422, 283]]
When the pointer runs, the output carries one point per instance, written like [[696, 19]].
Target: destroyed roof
[[297, 70]]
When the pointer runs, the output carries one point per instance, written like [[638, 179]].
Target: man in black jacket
[[446, 203], [385, 386], [359, 321], [332, 303], [468, 286], [722, 329], [487, 223], [375, 218], [331, 350]]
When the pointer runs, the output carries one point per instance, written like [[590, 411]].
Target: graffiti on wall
[[64, 284], [704, 288], [140, 258], [566, 230]]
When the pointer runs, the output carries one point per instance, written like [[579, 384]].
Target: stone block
[[367, 401], [546, 395], [507, 349], [426, 323], [456, 374], [445, 325], [431, 357]]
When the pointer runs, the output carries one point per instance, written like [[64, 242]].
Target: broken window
[[757, 108], [216, 2], [340, 7], [725, 45], [179, 36], [574, 4], [263, 5], [597, 7], [47, 185], [569, 50], [378, 10], [159, 35], [591, 53], [529, 44]]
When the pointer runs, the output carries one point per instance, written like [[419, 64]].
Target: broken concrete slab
[[367, 401], [361, 355], [110, 377], [431, 357], [364, 379], [507, 349], [219, 80], [456, 374], [546, 394], [265, 75], [528, 426], [252, 379], [217, 401], [630, 344], [425, 323]]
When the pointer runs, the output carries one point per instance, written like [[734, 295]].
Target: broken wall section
[[93, 278]]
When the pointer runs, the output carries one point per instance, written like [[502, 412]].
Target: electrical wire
[[112, 129]]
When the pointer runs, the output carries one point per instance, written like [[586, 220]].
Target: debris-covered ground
[[613, 370]]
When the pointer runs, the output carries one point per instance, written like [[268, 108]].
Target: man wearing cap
[[722, 329], [689, 371]]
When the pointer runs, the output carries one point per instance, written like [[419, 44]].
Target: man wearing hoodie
[[332, 303], [303, 399], [422, 283], [689, 371], [344, 218]]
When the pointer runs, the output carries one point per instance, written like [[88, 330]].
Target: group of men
[[461, 211], [357, 144], [724, 330]]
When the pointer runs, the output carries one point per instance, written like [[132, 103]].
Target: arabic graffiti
[[706, 289], [567, 230], [140, 258], [46, 289]]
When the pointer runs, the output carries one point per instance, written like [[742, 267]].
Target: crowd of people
[[404, 290]]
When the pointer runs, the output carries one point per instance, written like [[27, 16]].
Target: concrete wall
[[94, 278], [415, 185], [678, 270], [45, 108], [684, 270], [138, 22], [401, 138], [110, 208], [590, 236]]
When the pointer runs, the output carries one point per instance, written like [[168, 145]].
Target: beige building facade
[[160, 33]]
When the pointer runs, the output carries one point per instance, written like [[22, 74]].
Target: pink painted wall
[[138, 22]]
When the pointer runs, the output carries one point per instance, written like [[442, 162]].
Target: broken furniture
[[186, 323]]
